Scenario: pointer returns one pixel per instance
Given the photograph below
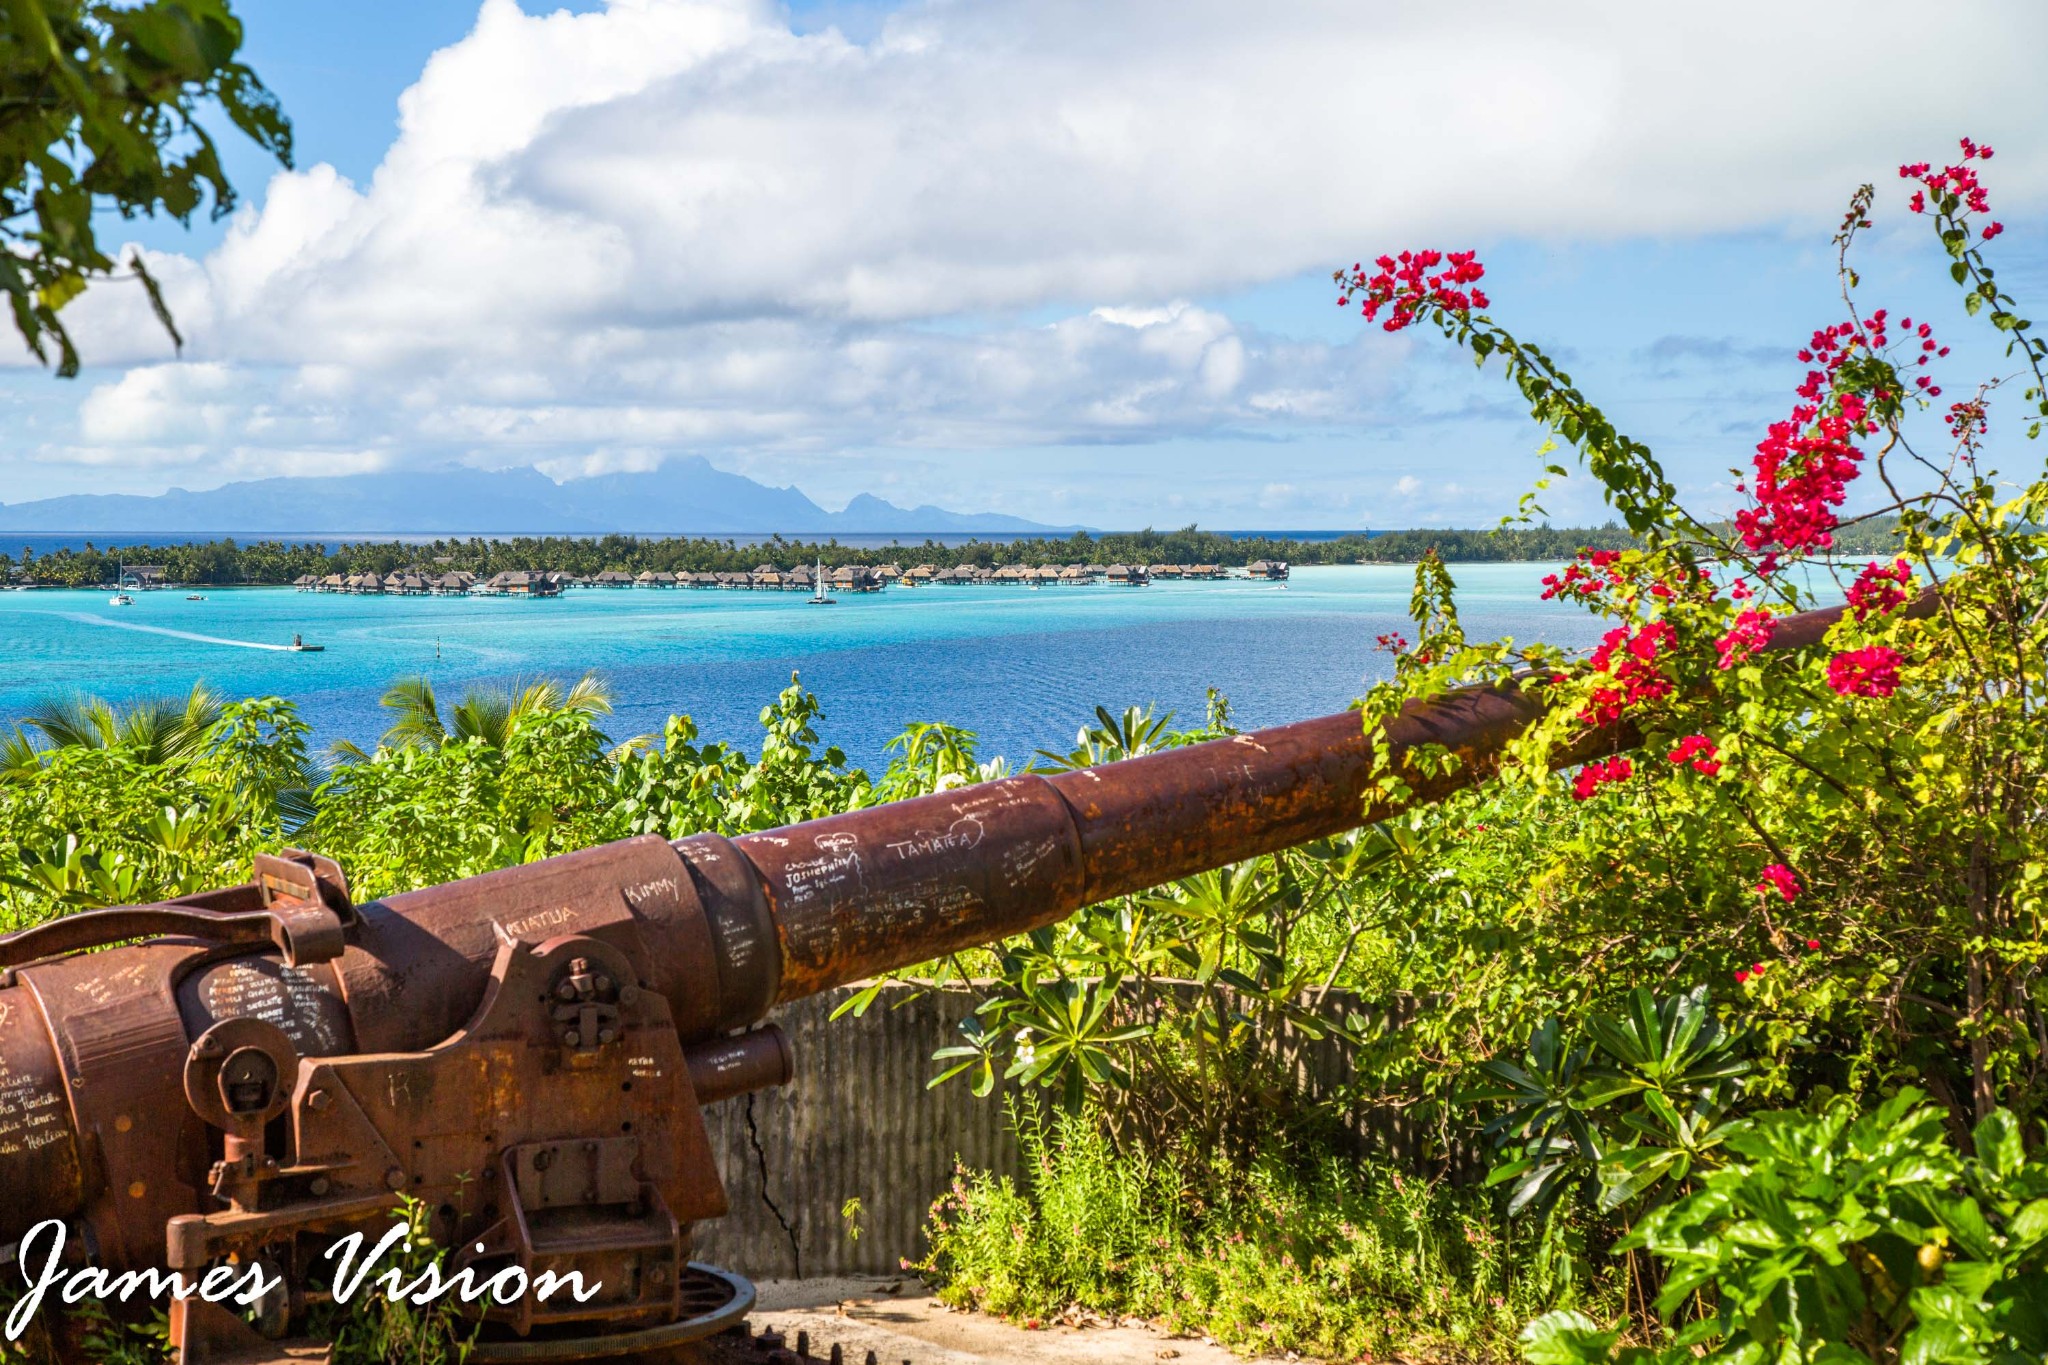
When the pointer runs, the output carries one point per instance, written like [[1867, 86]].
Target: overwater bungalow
[[612, 578], [955, 576], [452, 584], [1046, 575], [889, 573], [921, 575], [769, 577], [1012, 573], [1075, 575], [1163, 571], [1096, 570], [703, 578], [523, 583], [981, 575], [855, 578], [1127, 575], [334, 582], [1204, 571], [1273, 569]]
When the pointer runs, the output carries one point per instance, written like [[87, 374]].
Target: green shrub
[[1844, 1237], [1304, 1252]]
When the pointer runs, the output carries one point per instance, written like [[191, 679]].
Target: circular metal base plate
[[713, 1300]]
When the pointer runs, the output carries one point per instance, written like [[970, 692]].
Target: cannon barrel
[[116, 1109]]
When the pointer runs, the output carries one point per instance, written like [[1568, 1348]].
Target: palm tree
[[156, 729], [19, 756], [492, 713]]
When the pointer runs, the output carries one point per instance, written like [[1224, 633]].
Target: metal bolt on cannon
[[528, 1053]]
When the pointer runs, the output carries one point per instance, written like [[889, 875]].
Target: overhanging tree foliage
[[99, 108]]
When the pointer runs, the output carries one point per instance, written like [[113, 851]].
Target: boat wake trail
[[174, 634]]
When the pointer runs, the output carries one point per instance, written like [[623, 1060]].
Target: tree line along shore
[[226, 562]]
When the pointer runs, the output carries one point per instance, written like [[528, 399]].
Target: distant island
[[226, 563], [685, 495]]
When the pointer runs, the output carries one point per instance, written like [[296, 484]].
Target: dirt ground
[[898, 1319]]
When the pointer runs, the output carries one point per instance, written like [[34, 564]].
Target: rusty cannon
[[521, 1060]]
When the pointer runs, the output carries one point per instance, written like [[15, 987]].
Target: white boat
[[818, 597], [120, 599]]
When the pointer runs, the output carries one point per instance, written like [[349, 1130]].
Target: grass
[[1314, 1254]]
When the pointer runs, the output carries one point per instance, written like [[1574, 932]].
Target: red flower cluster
[[1579, 581], [1930, 350], [1597, 774], [1953, 187], [1393, 642], [1630, 660], [1410, 284], [1880, 588], [1967, 423], [1872, 672], [1779, 878], [1702, 753], [1804, 463], [1750, 633]]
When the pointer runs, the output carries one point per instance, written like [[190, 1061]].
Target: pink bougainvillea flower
[[1598, 774], [1779, 878], [1750, 633], [1411, 285], [1869, 672], [1700, 752], [1880, 588]]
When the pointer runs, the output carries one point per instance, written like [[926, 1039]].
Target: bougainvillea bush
[[1843, 842]]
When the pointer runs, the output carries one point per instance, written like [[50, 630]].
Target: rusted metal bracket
[[295, 901]]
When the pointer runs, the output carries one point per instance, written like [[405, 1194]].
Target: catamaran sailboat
[[818, 595]]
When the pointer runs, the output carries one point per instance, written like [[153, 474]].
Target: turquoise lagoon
[[1024, 668]]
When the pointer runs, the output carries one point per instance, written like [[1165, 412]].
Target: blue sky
[[1067, 261]]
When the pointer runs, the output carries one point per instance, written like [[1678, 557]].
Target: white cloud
[[676, 225]]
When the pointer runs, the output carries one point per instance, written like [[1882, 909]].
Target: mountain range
[[686, 495]]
